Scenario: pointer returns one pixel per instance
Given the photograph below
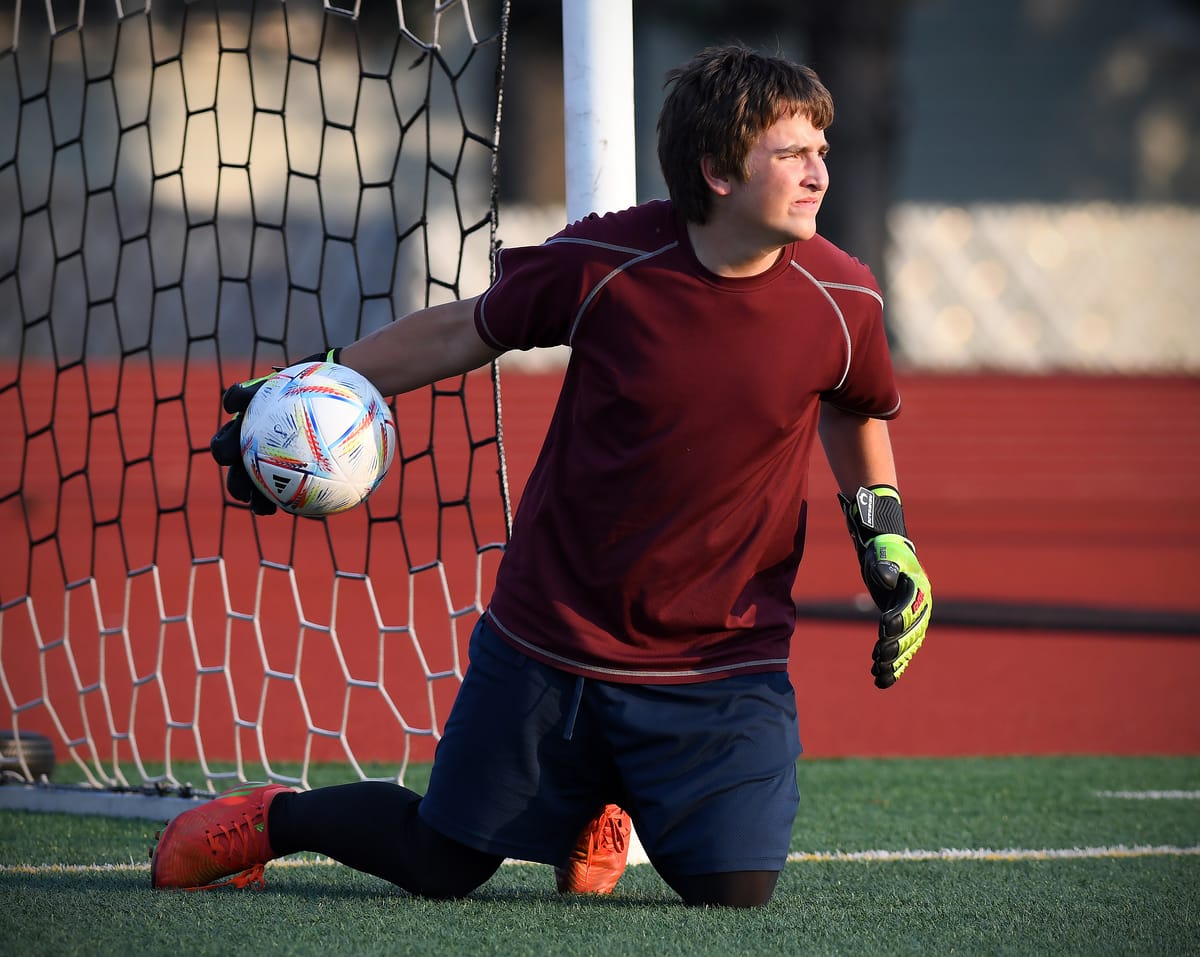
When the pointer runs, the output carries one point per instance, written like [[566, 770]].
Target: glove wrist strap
[[333, 355], [874, 511]]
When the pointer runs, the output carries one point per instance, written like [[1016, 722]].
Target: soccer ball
[[317, 438]]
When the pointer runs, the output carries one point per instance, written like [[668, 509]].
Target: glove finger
[[901, 632], [234, 400], [894, 618], [239, 483], [887, 674], [883, 658], [891, 630], [909, 608], [238, 395], [881, 574], [881, 579], [242, 488], [260, 504], [886, 650], [226, 445], [884, 677]]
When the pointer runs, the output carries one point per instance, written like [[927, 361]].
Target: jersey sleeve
[[869, 384], [533, 300]]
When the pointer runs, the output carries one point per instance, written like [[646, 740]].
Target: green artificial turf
[[80, 884]]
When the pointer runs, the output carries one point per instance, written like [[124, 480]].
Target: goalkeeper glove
[[226, 445], [895, 579]]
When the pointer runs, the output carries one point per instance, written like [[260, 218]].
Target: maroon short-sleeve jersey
[[659, 534]]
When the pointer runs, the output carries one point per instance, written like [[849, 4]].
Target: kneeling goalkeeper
[[635, 649]]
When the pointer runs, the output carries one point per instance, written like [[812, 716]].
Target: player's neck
[[722, 252]]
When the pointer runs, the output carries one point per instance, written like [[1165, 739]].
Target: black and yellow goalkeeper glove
[[226, 445], [895, 579]]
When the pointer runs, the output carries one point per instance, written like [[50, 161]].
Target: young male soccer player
[[635, 649]]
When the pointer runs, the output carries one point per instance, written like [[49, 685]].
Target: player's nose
[[815, 176]]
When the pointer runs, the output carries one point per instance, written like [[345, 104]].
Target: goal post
[[195, 192], [598, 106]]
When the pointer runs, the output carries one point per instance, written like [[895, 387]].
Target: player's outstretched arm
[[420, 349], [860, 455]]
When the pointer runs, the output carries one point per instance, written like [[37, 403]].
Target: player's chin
[[803, 232], [803, 225]]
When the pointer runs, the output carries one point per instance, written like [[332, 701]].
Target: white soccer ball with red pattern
[[317, 438]]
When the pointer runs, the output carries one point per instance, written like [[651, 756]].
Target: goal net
[[194, 193]]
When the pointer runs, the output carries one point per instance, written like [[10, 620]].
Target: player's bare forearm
[[859, 449], [421, 348]]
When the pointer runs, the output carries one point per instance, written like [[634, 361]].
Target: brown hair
[[718, 104]]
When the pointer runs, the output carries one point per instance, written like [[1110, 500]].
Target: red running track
[[1062, 489]]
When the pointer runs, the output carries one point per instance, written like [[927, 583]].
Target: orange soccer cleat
[[224, 837], [598, 859]]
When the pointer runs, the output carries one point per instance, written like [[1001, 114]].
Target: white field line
[[989, 854], [1150, 795], [801, 857]]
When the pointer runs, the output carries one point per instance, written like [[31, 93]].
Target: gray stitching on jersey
[[483, 304], [642, 257], [599, 245], [628, 672], [838, 311], [852, 288]]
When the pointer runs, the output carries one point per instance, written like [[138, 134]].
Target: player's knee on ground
[[733, 889], [448, 869]]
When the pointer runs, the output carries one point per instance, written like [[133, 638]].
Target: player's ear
[[719, 183]]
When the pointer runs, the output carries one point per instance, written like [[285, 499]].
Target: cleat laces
[[608, 836], [242, 830], [223, 840], [253, 877]]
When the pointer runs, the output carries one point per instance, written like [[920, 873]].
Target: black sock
[[373, 826]]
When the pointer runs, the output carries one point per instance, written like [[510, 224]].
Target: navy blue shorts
[[707, 771]]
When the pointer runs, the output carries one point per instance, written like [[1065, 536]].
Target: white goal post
[[598, 106]]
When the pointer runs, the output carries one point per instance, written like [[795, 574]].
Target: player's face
[[786, 181]]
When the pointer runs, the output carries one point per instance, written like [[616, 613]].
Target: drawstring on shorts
[[569, 725]]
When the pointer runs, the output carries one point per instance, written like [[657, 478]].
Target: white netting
[[193, 193]]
